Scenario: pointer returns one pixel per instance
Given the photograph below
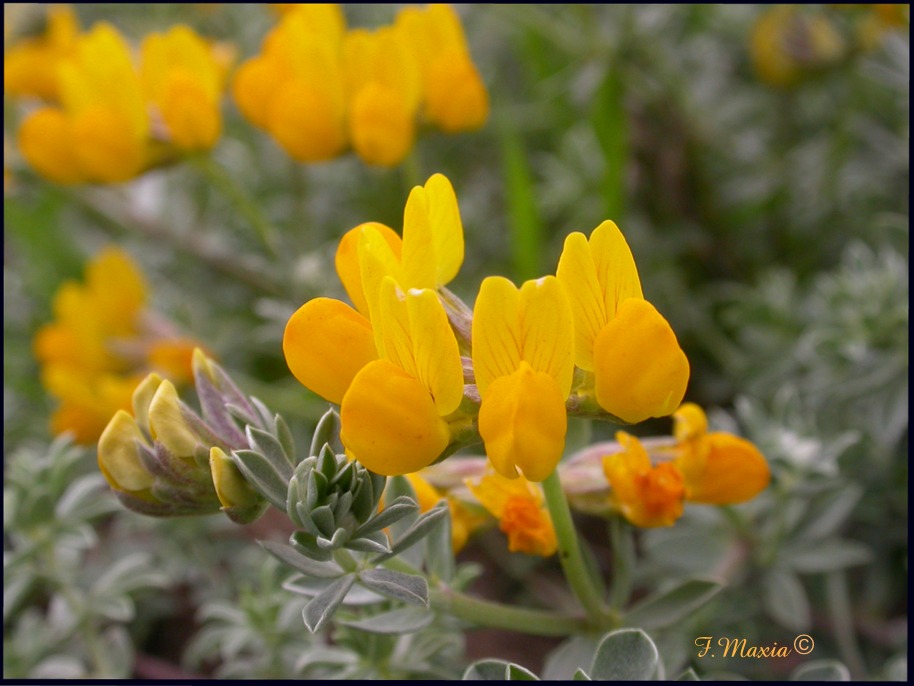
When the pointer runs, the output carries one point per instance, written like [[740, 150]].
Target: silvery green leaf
[[284, 435], [785, 599], [402, 621], [391, 513], [304, 564], [306, 544], [368, 545], [330, 656], [261, 474], [363, 503], [128, 574], [580, 675], [439, 551], [625, 655], [669, 606], [826, 556], [688, 675], [322, 607], [271, 449], [561, 663], [825, 518], [15, 590], [417, 531], [327, 463], [322, 517], [326, 432], [821, 670], [265, 416], [497, 670], [340, 536], [406, 587], [59, 667], [396, 488], [116, 608], [85, 499]]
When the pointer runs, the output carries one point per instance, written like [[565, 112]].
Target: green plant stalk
[[620, 535], [486, 613], [571, 558], [247, 207]]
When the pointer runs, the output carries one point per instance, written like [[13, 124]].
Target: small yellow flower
[[463, 521], [646, 495], [454, 94], [718, 468], [393, 414], [183, 79], [518, 506], [523, 361], [639, 369], [99, 347], [30, 66]]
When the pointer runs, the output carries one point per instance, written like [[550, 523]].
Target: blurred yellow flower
[[523, 359], [184, 80], [101, 344], [30, 66], [646, 495], [463, 521], [519, 507], [639, 369]]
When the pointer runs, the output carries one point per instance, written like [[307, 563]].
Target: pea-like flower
[[101, 344], [463, 520], [518, 504], [30, 66], [523, 360], [394, 413], [639, 369]]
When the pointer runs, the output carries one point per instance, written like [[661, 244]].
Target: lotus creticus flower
[[101, 344], [639, 370], [165, 460], [320, 90], [523, 361], [184, 80], [650, 480], [30, 66], [788, 43], [518, 504], [463, 520], [327, 342]]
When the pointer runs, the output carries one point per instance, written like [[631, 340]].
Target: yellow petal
[[142, 399], [308, 121], [732, 471], [689, 422], [347, 261], [231, 487], [547, 330], [117, 455], [46, 141], [577, 273], [106, 144], [117, 289], [381, 128], [190, 113], [641, 371], [254, 87], [457, 99], [167, 423], [615, 266], [418, 338], [522, 421], [326, 343], [518, 505], [496, 340], [419, 258], [447, 228], [389, 421]]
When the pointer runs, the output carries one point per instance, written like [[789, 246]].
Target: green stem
[[623, 548], [571, 557], [498, 616], [247, 207]]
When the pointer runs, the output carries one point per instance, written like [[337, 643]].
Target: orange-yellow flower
[[719, 468], [646, 495], [639, 369], [463, 521], [518, 505], [523, 361], [30, 66]]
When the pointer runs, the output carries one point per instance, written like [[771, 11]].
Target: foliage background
[[770, 226]]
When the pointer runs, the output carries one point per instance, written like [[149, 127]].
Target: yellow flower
[[454, 95], [718, 468], [183, 79], [787, 44], [101, 132], [30, 66], [98, 347], [295, 88], [393, 414], [523, 360], [639, 369], [383, 91], [327, 342], [518, 506], [646, 495]]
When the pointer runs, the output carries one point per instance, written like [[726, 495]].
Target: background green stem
[[498, 616]]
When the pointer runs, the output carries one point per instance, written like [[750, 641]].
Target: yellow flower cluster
[[320, 89], [101, 344], [584, 341], [109, 119]]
